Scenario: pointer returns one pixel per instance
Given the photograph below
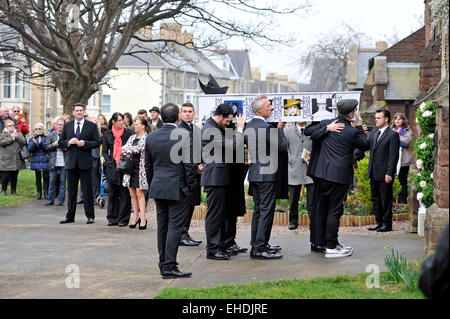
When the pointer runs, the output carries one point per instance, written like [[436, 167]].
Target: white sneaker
[[336, 253], [341, 247]]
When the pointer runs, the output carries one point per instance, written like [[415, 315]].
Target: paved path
[[122, 262]]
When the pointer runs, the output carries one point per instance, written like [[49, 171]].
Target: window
[[25, 88], [6, 84], [106, 104], [18, 90]]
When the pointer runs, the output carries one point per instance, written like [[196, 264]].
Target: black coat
[[113, 176], [81, 155], [196, 196], [167, 179], [335, 160], [383, 154]]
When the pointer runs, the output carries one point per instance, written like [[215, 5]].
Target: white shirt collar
[[259, 117], [383, 129]]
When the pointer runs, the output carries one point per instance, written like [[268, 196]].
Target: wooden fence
[[282, 219]]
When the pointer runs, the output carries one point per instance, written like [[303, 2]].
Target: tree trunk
[[75, 90]]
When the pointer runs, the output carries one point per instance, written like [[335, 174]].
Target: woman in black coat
[[119, 201]]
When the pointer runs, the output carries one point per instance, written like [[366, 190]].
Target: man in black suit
[[264, 143], [187, 117], [384, 152], [171, 182], [217, 153], [334, 171], [79, 137]]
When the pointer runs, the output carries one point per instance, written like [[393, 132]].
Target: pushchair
[[103, 187]]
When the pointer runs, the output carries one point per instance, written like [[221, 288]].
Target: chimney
[[256, 74], [381, 45], [169, 31], [352, 66]]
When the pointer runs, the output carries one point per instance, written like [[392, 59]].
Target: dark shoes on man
[[374, 228], [317, 248], [90, 221], [292, 227], [265, 255], [67, 221], [380, 228], [218, 256], [175, 273], [189, 241]]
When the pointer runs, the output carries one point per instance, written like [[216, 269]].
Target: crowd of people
[[318, 156]]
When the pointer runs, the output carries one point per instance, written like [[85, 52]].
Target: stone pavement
[[35, 251]]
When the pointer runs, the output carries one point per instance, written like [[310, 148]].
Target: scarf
[[117, 152]]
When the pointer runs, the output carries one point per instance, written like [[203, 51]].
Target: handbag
[[125, 164], [24, 153]]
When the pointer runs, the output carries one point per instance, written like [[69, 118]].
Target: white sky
[[375, 18]]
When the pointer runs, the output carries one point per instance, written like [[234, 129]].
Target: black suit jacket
[[217, 173], [257, 166], [81, 155], [383, 154], [112, 174], [335, 160], [167, 179], [196, 196]]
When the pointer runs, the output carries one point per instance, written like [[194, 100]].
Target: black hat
[[212, 87], [155, 108], [346, 106]]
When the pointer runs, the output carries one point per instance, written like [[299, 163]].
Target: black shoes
[[80, 201], [195, 241], [317, 248], [134, 225], [376, 227], [67, 221], [292, 227], [143, 227], [188, 242], [265, 255], [236, 249], [48, 204], [175, 273], [273, 248], [218, 256], [39, 196], [90, 221], [112, 224], [384, 229], [13, 192]]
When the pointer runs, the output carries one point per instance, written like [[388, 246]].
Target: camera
[[369, 128]]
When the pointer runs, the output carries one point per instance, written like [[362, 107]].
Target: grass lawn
[[340, 287], [26, 190]]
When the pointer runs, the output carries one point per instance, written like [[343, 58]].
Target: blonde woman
[[39, 161], [10, 162]]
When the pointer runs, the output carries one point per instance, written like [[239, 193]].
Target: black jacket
[[335, 159], [166, 178], [75, 154], [383, 155], [113, 176]]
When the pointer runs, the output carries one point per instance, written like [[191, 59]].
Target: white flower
[[431, 175], [423, 145], [426, 114], [418, 174], [419, 163], [423, 184], [419, 196], [422, 106], [431, 135]]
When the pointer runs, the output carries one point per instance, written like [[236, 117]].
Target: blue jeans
[[62, 184]]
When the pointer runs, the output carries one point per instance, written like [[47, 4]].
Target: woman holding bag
[[137, 180], [119, 202], [11, 142]]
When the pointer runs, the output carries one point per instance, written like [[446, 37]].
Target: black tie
[[78, 130], [302, 131], [378, 136]]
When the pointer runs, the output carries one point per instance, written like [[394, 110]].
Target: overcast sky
[[378, 19]]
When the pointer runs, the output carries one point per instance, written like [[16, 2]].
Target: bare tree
[[328, 56], [78, 42]]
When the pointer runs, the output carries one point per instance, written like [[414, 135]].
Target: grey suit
[[297, 170]]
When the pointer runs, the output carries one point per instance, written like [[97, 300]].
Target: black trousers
[[382, 202], [187, 223], [216, 199], [317, 223], [403, 179], [73, 177], [228, 231], [294, 196], [264, 198], [9, 177], [119, 204], [170, 216], [330, 203], [45, 175]]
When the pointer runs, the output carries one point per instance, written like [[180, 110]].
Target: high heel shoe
[[143, 227], [134, 225]]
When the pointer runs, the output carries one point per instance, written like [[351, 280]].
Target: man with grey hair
[[264, 143], [57, 187]]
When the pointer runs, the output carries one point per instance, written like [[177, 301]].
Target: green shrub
[[399, 270]]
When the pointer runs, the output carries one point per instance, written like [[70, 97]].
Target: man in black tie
[[264, 143], [79, 137], [384, 153], [171, 181], [187, 117]]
